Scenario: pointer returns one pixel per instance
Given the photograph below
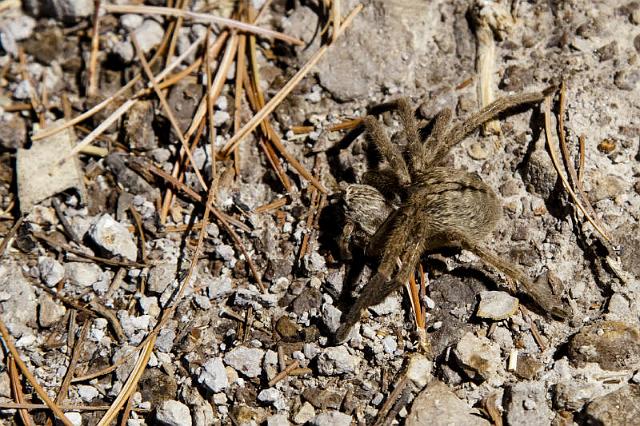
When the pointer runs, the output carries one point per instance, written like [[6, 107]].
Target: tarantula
[[414, 205]]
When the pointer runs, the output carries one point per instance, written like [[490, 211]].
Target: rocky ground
[[91, 277]]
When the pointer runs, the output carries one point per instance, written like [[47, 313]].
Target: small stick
[[95, 46], [138, 221], [75, 357], [107, 314], [581, 139], [68, 229], [284, 373], [8, 341], [271, 206], [346, 125], [202, 17], [9, 237], [393, 396], [30, 406], [291, 84], [16, 389]]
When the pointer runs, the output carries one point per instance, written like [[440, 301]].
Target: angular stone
[[336, 361], [437, 405], [19, 305], [618, 408], [527, 404], [39, 173], [247, 361], [214, 375], [478, 356], [173, 413], [497, 305], [114, 238]]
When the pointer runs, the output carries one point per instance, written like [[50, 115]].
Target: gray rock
[[336, 361], [166, 337], [304, 414], [16, 29], [627, 79], [613, 345], [87, 393], [389, 305], [389, 344], [274, 397], [618, 408], [278, 420], [331, 317], [40, 175], [478, 356], [245, 360], [173, 413], [419, 370], [149, 35], [219, 287], [51, 271], [437, 405], [82, 274], [309, 300], [138, 127], [497, 305], [160, 276], [527, 404], [19, 304], [113, 237], [539, 174], [253, 297], [69, 10], [331, 418], [213, 375], [13, 130], [50, 312]]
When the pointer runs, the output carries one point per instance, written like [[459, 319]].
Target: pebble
[[309, 300], [304, 414], [323, 398], [51, 271], [618, 408], [114, 238], [331, 317], [478, 356], [438, 405], [253, 297], [71, 10], [220, 287], [527, 404], [497, 305], [337, 360], [87, 393], [247, 361], [274, 397], [131, 21], [331, 418], [74, 418], [389, 344], [50, 312], [173, 413], [83, 274], [419, 370], [165, 340], [613, 345], [213, 375], [160, 276]]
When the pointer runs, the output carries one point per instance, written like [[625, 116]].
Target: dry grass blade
[[563, 178], [75, 356], [92, 76], [7, 238], [131, 383], [16, 389], [8, 341], [201, 17], [284, 92], [167, 109]]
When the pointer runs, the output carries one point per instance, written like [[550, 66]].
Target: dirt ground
[[124, 307]]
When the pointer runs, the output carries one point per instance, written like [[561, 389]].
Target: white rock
[[131, 21], [306, 413], [87, 393], [51, 271], [214, 376], [50, 312], [247, 361], [114, 237], [389, 305], [149, 35], [160, 276], [331, 317], [278, 420], [274, 397], [331, 418], [173, 413], [389, 344], [337, 360], [497, 305], [478, 356], [74, 418], [83, 274], [419, 370], [21, 307]]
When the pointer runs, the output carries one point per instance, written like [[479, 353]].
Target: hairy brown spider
[[414, 205]]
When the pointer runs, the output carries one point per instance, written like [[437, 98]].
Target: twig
[[138, 221], [92, 76], [75, 356], [68, 229], [284, 373], [16, 389], [8, 341], [7, 238], [202, 17], [393, 396], [280, 202], [291, 84], [30, 406]]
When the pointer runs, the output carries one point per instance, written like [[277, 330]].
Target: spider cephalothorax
[[439, 206]]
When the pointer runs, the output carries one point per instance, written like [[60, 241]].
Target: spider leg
[[410, 128], [544, 299], [377, 289], [489, 112], [433, 142], [377, 135]]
